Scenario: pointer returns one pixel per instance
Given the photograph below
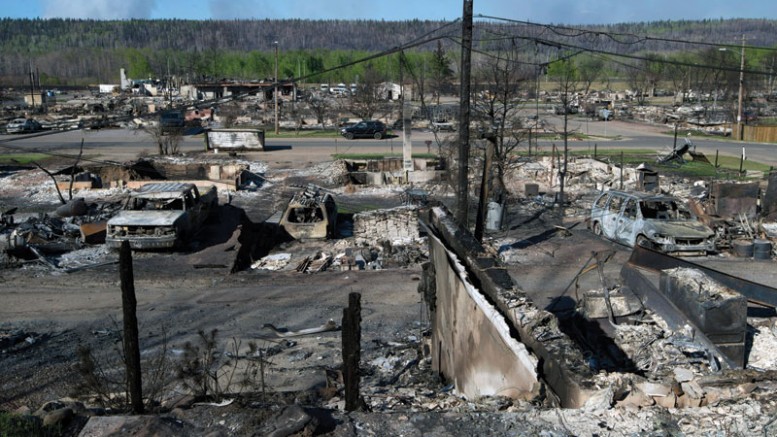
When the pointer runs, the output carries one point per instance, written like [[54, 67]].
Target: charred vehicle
[[658, 222], [160, 215], [310, 214]]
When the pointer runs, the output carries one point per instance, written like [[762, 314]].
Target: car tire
[[644, 242], [378, 136], [349, 136], [597, 229]]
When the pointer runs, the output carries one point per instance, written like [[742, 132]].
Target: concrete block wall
[[396, 225]]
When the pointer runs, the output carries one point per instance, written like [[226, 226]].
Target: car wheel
[[597, 229], [645, 242], [378, 135], [349, 136]]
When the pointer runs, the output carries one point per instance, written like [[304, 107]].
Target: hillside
[[67, 51]]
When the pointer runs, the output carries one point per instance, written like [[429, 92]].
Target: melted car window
[[664, 210], [615, 203], [631, 209]]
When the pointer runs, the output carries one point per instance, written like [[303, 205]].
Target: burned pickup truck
[[160, 216]]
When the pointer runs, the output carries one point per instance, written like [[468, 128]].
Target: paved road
[[124, 145]]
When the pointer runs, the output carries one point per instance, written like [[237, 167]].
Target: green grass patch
[[23, 158], [376, 156], [302, 133], [728, 166]]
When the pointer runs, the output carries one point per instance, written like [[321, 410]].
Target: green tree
[[138, 66], [590, 69]]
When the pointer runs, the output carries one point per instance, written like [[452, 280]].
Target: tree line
[[78, 52]]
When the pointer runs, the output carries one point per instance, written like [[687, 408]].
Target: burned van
[[658, 222]]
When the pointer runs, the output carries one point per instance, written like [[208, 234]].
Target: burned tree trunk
[[131, 343], [352, 318]]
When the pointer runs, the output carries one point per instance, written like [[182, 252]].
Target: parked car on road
[[658, 222], [365, 129], [22, 125], [442, 125]]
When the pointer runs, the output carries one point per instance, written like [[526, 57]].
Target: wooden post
[[131, 344], [351, 337]]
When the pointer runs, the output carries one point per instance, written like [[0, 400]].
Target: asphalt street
[[124, 145]]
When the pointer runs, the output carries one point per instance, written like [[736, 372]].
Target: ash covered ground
[[49, 313]]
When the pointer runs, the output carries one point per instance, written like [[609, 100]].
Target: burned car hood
[[146, 218], [681, 228]]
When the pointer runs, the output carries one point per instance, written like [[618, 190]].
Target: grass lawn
[[728, 166], [23, 158], [361, 156]]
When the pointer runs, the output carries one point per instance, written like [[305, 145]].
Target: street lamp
[[275, 88]]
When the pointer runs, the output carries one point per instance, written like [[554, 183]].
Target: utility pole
[[275, 89], [462, 201], [740, 130]]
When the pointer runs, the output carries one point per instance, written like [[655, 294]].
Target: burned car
[[658, 222], [160, 216], [310, 214]]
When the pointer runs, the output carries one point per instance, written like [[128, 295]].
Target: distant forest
[[77, 52]]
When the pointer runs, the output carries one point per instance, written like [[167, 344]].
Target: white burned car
[[655, 221], [160, 216]]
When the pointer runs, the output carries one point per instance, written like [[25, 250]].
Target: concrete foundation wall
[[396, 225], [472, 341], [562, 367]]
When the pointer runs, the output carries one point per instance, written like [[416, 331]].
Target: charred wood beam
[[131, 341]]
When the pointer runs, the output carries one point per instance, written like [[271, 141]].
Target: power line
[[611, 35]]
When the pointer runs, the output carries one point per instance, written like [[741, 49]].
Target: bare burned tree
[[720, 84], [441, 73], [565, 74], [678, 75], [502, 79], [370, 97], [72, 176], [320, 106], [644, 76], [167, 139]]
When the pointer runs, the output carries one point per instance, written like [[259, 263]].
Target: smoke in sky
[[98, 9]]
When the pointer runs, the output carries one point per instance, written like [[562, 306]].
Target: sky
[[540, 11]]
